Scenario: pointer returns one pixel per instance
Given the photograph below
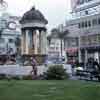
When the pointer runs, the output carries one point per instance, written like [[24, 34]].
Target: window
[[79, 2], [82, 1], [83, 24], [89, 23], [10, 40], [94, 39], [99, 38], [94, 22], [83, 39], [86, 12], [89, 0], [79, 25], [2, 40], [99, 21], [57, 48], [86, 24]]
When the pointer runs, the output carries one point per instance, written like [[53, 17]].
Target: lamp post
[[3, 5]]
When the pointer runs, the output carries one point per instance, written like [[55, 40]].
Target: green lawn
[[49, 90]]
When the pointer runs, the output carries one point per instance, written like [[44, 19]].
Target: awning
[[72, 50]]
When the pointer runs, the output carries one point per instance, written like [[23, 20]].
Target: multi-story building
[[86, 18], [9, 32], [71, 43]]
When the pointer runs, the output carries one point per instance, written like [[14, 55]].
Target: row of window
[[89, 23], [79, 2], [90, 40], [2, 40], [86, 12], [71, 42], [54, 48]]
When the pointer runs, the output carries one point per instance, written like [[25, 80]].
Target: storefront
[[90, 52], [90, 47], [72, 55]]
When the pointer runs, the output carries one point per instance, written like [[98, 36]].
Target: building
[[56, 51], [86, 18], [54, 47], [71, 43], [9, 31], [34, 41]]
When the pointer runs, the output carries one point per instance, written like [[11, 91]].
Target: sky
[[55, 11]]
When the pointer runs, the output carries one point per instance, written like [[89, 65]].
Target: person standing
[[97, 69], [34, 68], [96, 65]]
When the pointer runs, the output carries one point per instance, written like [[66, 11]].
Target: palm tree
[[62, 35]]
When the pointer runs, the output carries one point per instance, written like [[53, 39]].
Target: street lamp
[[3, 5]]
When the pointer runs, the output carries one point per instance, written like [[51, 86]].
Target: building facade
[[9, 31], [71, 42], [54, 47], [86, 16]]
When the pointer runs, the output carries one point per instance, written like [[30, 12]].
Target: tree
[[61, 35]]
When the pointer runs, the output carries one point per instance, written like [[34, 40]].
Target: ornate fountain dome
[[34, 41], [32, 16]]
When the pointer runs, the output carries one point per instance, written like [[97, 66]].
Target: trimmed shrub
[[2, 76], [28, 77], [15, 77], [56, 72]]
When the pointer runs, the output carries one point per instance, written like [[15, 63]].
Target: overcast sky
[[55, 11]]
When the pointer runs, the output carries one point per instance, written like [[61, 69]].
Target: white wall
[[54, 48], [25, 70]]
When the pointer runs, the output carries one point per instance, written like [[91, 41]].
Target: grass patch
[[49, 90]]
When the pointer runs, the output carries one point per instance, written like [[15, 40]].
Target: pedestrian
[[34, 67], [96, 65], [97, 69]]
